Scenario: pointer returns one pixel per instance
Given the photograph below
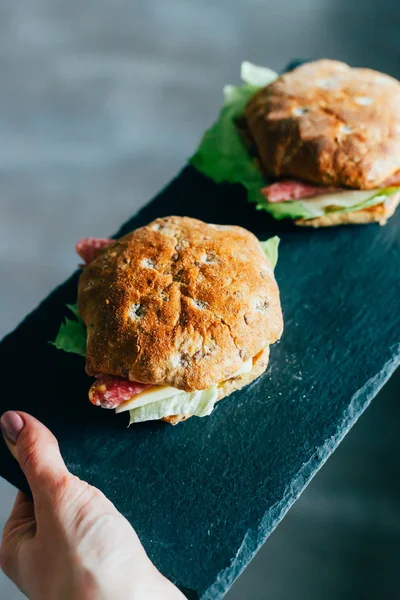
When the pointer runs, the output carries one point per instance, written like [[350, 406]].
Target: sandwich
[[173, 317], [319, 145]]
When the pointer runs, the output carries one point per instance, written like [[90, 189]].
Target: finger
[[22, 515], [37, 452], [23, 508], [20, 527]]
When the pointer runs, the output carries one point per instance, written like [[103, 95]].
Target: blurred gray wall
[[100, 105]]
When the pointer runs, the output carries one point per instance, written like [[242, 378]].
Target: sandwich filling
[[152, 402], [306, 201]]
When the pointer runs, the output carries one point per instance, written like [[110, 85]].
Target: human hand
[[70, 543]]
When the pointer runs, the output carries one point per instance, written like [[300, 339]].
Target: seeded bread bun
[[328, 123], [180, 303]]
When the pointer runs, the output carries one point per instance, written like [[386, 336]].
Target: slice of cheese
[[245, 368], [347, 199], [152, 394], [161, 392]]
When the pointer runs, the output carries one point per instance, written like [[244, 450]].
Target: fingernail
[[11, 425]]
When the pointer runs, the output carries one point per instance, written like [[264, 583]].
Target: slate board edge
[[252, 542]]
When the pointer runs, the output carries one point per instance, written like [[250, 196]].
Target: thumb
[[37, 452]]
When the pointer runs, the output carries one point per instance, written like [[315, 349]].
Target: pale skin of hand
[[70, 543]]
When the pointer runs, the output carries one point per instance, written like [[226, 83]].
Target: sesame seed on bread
[[179, 302], [328, 123]]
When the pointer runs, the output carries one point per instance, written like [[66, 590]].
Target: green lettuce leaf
[[222, 155], [270, 248], [74, 309], [255, 75], [286, 210], [345, 201], [71, 336], [199, 404]]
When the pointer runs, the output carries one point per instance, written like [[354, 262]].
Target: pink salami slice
[[110, 392], [90, 248], [291, 189], [288, 189]]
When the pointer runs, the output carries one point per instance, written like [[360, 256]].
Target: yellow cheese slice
[[161, 392]]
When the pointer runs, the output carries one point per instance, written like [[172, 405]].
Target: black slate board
[[203, 496]]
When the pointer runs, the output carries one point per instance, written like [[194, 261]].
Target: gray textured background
[[100, 105]]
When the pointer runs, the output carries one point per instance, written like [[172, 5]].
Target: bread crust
[[379, 213], [328, 123], [260, 363], [179, 302]]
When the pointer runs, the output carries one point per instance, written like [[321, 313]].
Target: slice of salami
[[90, 248], [291, 189], [110, 392], [288, 189]]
